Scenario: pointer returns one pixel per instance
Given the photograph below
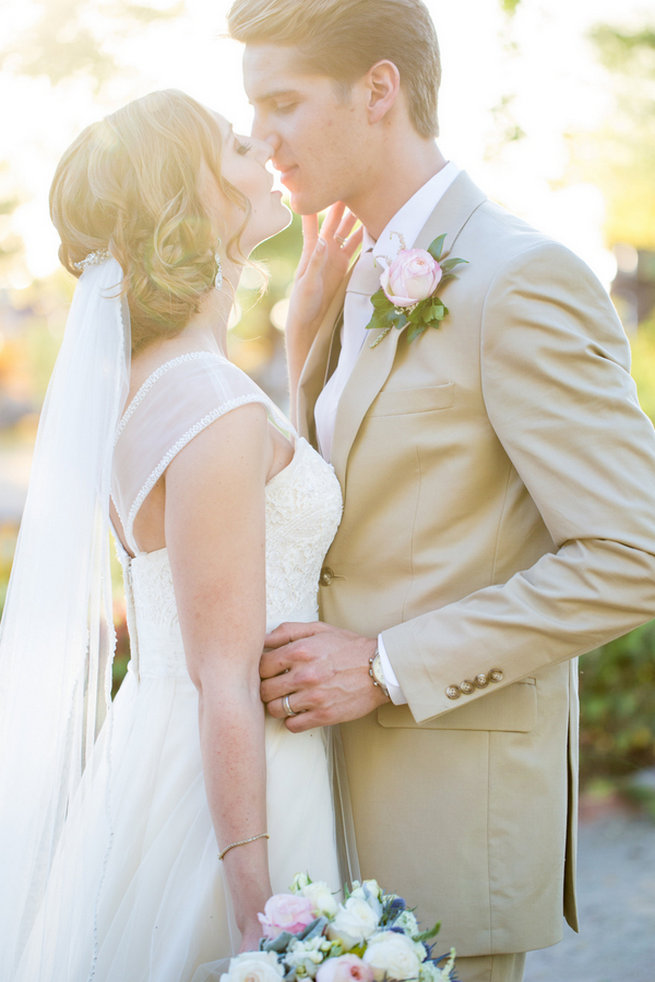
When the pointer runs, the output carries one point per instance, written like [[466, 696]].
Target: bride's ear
[[383, 84]]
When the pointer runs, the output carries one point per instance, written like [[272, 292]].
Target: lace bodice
[[303, 509]]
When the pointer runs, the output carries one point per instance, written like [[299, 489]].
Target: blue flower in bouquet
[[395, 905]]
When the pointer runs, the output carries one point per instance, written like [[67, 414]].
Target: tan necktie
[[365, 278]]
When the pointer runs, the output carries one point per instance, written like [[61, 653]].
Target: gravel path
[[616, 890]]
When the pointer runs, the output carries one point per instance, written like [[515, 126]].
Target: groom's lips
[[286, 173]]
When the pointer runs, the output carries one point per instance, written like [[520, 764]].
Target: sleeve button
[[467, 687], [326, 576], [481, 681], [453, 692], [496, 675]]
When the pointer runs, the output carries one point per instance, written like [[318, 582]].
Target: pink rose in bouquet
[[345, 968], [413, 276], [286, 912]]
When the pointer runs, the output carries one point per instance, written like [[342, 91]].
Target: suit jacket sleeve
[[558, 393]]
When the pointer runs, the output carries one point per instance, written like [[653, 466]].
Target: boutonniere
[[408, 291]]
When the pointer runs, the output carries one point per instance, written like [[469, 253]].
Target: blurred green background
[[56, 49]]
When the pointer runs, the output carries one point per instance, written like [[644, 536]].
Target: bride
[[140, 838]]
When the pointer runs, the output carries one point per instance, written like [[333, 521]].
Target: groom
[[499, 484]]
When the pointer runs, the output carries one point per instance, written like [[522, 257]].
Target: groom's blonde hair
[[342, 39]]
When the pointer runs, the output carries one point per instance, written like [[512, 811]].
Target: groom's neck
[[404, 167]]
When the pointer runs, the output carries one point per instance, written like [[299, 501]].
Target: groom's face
[[316, 128]]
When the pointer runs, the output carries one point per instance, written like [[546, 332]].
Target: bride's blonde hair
[[130, 184]]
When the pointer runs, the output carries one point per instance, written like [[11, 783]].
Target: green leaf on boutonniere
[[436, 311], [436, 247], [449, 264], [415, 331], [385, 316], [379, 300]]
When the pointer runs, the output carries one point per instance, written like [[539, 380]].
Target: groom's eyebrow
[[273, 95]]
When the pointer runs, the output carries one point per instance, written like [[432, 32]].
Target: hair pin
[[93, 259]]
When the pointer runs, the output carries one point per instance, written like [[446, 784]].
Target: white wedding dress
[[136, 892]]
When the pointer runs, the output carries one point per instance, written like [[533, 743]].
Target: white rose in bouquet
[[371, 892], [254, 966], [321, 898], [354, 922], [393, 955]]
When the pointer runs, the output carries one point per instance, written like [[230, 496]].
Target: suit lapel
[[374, 365], [452, 213], [369, 374]]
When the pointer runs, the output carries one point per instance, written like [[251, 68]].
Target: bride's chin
[[280, 219]]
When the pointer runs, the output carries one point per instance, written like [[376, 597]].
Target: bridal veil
[[57, 637]]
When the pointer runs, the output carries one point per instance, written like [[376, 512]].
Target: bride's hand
[[326, 257]]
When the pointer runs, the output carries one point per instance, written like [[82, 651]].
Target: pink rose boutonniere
[[408, 291]]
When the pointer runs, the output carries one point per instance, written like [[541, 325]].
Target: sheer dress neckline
[[177, 401], [156, 374]]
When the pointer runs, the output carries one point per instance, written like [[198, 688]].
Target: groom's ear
[[383, 84]]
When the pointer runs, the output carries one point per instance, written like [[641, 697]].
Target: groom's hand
[[319, 674]]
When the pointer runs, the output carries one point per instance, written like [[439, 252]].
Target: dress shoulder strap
[[176, 402]]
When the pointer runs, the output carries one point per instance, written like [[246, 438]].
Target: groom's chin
[[308, 202]]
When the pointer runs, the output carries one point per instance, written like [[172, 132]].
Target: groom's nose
[[261, 131]]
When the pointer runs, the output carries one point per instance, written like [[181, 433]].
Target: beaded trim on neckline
[[154, 377]]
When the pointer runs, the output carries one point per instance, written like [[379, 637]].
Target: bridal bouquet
[[370, 937]]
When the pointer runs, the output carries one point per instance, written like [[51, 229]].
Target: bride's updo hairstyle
[[130, 184]]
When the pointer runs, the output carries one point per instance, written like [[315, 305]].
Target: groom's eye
[[285, 107]]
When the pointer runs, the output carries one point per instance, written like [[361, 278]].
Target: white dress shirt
[[400, 233]]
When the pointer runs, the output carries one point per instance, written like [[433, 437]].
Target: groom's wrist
[[396, 693], [376, 672]]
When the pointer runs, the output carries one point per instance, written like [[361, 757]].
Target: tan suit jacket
[[499, 486]]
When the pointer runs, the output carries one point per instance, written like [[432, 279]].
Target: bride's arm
[[215, 534], [324, 263]]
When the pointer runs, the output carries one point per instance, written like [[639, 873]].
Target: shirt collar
[[403, 229]]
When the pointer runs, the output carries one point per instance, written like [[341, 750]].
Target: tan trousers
[[491, 968]]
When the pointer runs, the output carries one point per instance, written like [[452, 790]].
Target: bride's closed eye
[[242, 147]]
